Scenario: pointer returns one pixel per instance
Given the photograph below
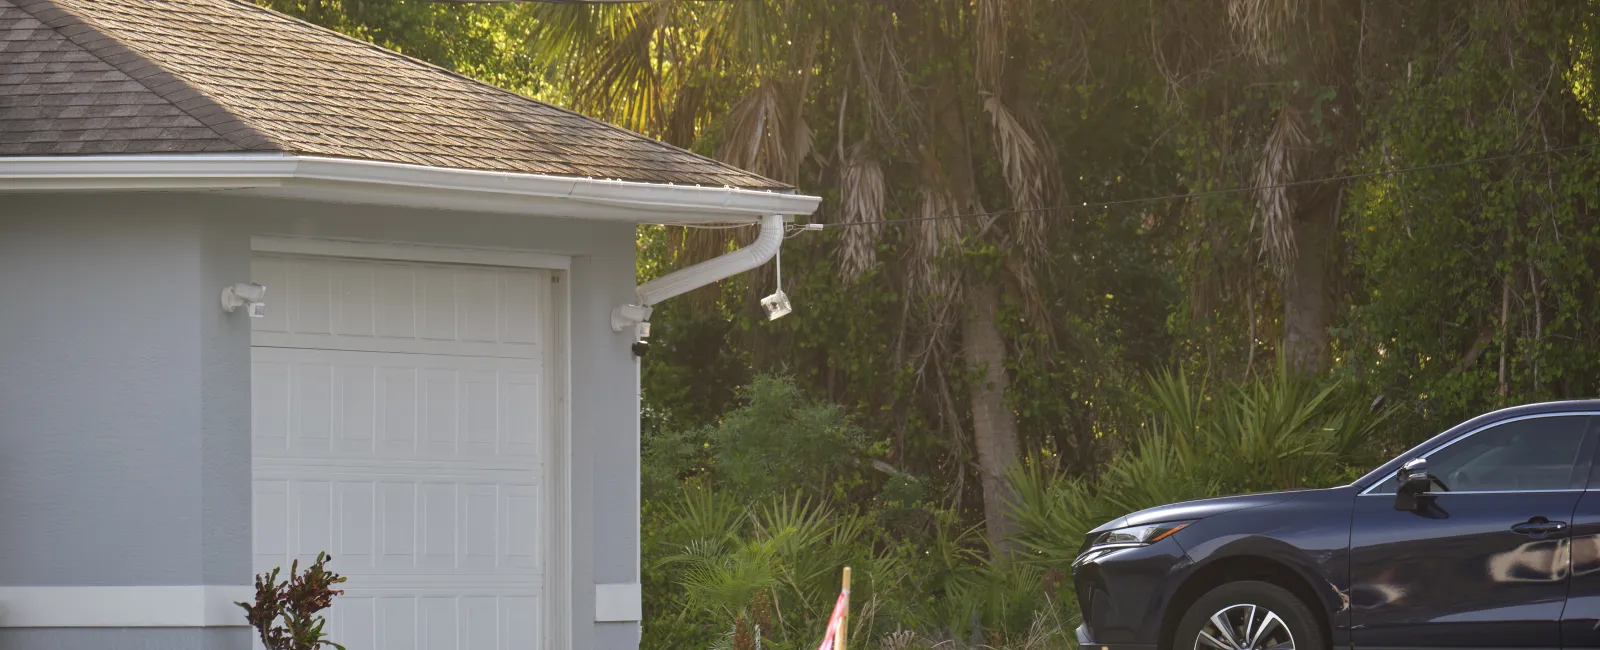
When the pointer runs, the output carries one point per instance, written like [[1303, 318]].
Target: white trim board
[[396, 184], [619, 603], [143, 606], [410, 252]]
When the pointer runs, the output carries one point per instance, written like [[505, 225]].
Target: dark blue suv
[[1486, 536]]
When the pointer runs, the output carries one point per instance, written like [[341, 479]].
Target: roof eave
[[383, 183]]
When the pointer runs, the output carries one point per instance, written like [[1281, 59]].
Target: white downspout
[[685, 280]]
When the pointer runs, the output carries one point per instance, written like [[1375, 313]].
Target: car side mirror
[[1415, 481]]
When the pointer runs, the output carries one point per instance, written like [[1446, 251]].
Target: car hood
[[1200, 509]]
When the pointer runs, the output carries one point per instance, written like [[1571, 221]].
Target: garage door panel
[[401, 413], [311, 519], [478, 312], [270, 519], [353, 621], [440, 411], [527, 414], [311, 399], [437, 529], [380, 619], [482, 414], [343, 404], [311, 302], [481, 618], [403, 525], [394, 302], [389, 306], [523, 533], [269, 425], [358, 416], [397, 527], [357, 524], [355, 296], [397, 622], [397, 413], [520, 319], [481, 523]]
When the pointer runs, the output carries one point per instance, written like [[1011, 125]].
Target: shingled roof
[[191, 76]]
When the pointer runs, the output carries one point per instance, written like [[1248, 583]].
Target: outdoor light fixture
[[777, 305], [249, 295]]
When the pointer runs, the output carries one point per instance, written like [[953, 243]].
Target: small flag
[[838, 623]]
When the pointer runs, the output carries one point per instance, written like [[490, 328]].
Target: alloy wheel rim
[[1245, 627]]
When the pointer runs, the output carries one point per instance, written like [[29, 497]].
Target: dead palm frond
[[1262, 26], [1028, 169], [884, 82], [991, 44], [932, 236], [1274, 203], [862, 188]]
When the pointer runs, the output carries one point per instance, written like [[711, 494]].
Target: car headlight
[[1130, 537]]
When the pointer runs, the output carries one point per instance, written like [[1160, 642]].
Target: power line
[[1231, 190]]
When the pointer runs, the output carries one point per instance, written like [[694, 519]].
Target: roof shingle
[[225, 75]]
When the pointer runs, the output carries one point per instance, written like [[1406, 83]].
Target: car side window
[[1522, 455]]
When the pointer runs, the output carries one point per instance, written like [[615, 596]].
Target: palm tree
[[929, 120], [1267, 91]]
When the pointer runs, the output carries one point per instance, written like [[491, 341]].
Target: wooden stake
[[844, 621]]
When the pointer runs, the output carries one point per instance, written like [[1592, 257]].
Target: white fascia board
[[144, 172], [143, 606], [382, 183]]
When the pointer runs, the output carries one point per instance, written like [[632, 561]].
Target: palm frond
[[862, 188], [1262, 25], [1274, 203], [931, 236], [1028, 169]]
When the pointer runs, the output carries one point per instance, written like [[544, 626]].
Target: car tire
[[1296, 626]]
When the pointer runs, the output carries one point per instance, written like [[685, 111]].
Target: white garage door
[[402, 414]]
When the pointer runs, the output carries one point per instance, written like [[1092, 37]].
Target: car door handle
[[1539, 527]]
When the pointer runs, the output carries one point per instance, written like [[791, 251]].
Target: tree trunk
[[1307, 312], [994, 427]]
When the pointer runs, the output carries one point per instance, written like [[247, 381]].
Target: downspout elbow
[[715, 269]]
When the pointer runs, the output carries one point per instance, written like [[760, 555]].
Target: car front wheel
[[1249, 616]]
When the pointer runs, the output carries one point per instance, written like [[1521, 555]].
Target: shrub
[[295, 602]]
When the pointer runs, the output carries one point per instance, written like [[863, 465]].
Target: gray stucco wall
[[125, 397]]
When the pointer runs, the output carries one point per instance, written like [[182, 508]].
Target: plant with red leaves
[[296, 602]]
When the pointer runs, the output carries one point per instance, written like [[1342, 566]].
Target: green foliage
[[725, 541], [480, 41], [778, 443], [739, 545], [1473, 286]]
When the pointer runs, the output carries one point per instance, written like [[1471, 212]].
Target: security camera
[[249, 295], [640, 348]]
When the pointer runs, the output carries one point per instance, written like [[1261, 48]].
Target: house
[[438, 386]]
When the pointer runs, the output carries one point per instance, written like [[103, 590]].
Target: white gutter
[[419, 186], [685, 280], [383, 183]]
